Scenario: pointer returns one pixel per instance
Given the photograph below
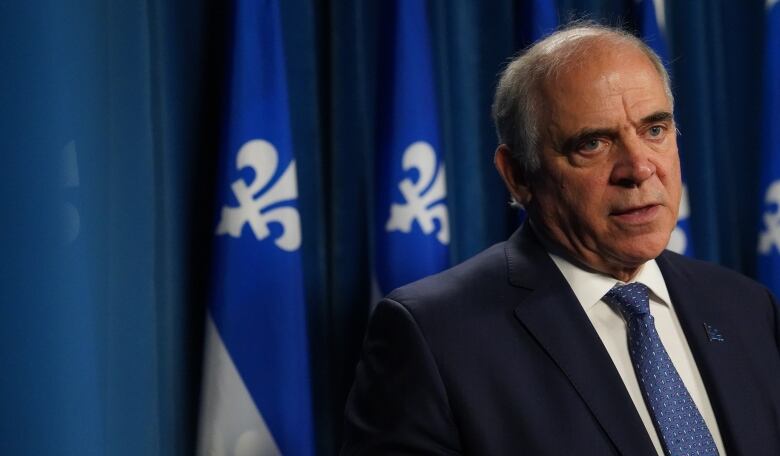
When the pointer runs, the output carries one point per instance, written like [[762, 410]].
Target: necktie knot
[[632, 299]]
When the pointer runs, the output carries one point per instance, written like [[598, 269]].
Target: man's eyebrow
[[586, 133], [660, 116]]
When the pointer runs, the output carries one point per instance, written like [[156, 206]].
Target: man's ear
[[515, 182]]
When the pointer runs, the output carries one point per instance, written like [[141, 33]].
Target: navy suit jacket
[[497, 357]]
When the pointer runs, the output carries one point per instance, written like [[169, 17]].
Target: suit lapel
[[553, 315], [720, 363]]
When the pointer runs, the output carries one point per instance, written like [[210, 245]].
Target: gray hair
[[517, 103]]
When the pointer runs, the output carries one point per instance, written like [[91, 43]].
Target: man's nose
[[633, 165]]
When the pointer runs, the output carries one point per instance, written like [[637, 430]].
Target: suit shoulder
[[484, 270], [711, 274]]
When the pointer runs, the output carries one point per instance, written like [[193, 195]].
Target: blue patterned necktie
[[679, 424]]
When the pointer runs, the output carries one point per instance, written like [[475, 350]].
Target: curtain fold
[[110, 119]]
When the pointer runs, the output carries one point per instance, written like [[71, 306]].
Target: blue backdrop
[[109, 124]]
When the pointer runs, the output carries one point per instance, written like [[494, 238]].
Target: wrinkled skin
[[608, 190]]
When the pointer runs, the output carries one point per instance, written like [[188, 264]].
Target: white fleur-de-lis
[[771, 236], [262, 158], [678, 242], [424, 201]]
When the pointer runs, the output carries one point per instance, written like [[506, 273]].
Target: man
[[580, 334]]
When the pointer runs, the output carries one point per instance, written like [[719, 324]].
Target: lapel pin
[[713, 333]]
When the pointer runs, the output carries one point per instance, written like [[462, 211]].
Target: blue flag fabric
[[538, 18], [257, 302], [654, 34], [769, 226], [544, 18], [412, 232]]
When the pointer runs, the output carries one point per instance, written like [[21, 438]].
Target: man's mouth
[[637, 214]]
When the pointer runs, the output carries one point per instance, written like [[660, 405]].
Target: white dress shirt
[[590, 287]]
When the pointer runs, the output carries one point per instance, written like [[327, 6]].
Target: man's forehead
[[605, 94], [601, 58], [588, 82]]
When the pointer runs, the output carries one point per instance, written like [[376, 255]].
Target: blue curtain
[[101, 105], [109, 122]]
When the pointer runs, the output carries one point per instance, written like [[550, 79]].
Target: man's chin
[[640, 249]]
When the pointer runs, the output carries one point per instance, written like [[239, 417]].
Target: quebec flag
[[256, 397], [540, 18], [769, 226], [412, 231], [652, 24]]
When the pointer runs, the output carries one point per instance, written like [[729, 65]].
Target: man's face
[[609, 185]]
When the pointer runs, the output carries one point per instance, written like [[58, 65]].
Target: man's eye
[[655, 131], [590, 145]]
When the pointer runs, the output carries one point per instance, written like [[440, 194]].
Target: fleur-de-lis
[[771, 236], [253, 199], [424, 201], [678, 241]]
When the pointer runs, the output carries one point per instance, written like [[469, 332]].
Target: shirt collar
[[589, 286]]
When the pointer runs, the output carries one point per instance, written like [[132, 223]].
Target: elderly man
[[580, 334]]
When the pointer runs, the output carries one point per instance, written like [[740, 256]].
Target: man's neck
[[622, 274]]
